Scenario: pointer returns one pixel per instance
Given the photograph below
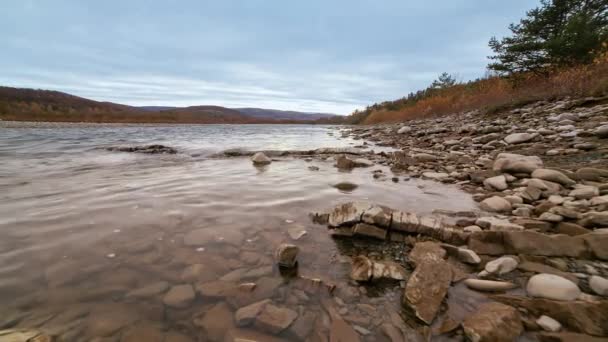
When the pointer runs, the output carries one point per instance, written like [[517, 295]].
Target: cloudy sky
[[314, 55]]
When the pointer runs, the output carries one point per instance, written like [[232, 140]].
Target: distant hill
[[283, 114], [21, 104]]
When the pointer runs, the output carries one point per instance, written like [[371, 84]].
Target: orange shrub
[[496, 93]]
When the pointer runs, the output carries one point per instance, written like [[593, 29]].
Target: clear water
[[80, 227]]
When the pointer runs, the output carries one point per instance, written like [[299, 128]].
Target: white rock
[[495, 204], [553, 176], [493, 223], [260, 159], [501, 265], [489, 285], [518, 138], [435, 175], [599, 285], [404, 129], [498, 183], [551, 286], [549, 324], [516, 163], [472, 229], [584, 192], [468, 256]]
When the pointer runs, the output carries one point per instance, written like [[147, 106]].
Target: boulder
[[496, 204], [591, 174], [516, 163], [518, 138], [286, 255], [487, 242], [493, 322], [216, 322], [427, 287], [378, 216], [553, 176], [405, 222], [533, 243], [260, 159], [584, 192], [489, 285], [247, 314], [551, 286]]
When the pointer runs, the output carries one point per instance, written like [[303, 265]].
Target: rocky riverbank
[[536, 249]]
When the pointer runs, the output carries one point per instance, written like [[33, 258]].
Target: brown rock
[[347, 214], [216, 289], [143, 332], [597, 243], [532, 243], [493, 322], [378, 216], [578, 316], [340, 331], [216, 322], [487, 242], [286, 255], [247, 314], [405, 222], [362, 269], [274, 319], [426, 251], [536, 267], [364, 229], [568, 337], [427, 287], [571, 229]]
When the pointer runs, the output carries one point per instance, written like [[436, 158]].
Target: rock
[[143, 332], [216, 322], [552, 287], [553, 176], [198, 272], [591, 174], [204, 236], [529, 266], [362, 269], [501, 265], [404, 130], [345, 186], [496, 204], [426, 288], [548, 324], [424, 157], [179, 296], [286, 255], [388, 270], [468, 256], [595, 219], [296, 233], [498, 183], [405, 222], [493, 322], [515, 163], [216, 289], [247, 314], [533, 243], [599, 285], [518, 138], [550, 217], [489, 285], [567, 337], [274, 319], [24, 335], [260, 159], [493, 223], [426, 251], [393, 334], [435, 175], [578, 316], [148, 291], [571, 229], [487, 242], [340, 331], [602, 131], [367, 230], [378, 216], [584, 192], [347, 214], [303, 325], [147, 149]]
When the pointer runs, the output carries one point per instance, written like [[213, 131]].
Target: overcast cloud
[[314, 55]]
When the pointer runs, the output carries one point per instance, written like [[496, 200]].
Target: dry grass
[[495, 94]]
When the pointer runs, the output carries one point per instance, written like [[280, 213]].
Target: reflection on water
[[92, 243]]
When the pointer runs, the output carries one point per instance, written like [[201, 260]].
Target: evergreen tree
[[558, 33]]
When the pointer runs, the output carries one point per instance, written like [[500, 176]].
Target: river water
[[82, 227]]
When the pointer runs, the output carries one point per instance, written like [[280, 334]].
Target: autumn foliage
[[495, 93]]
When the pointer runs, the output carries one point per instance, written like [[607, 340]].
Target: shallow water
[[80, 227]]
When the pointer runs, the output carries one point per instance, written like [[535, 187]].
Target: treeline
[[559, 49]]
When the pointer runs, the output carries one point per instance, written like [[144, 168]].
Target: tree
[[558, 33], [445, 80]]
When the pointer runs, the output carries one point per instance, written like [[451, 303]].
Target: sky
[[330, 56]]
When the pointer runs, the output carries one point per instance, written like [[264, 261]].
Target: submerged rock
[[179, 296], [286, 255], [146, 149], [345, 186], [362, 269], [260, 159]]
